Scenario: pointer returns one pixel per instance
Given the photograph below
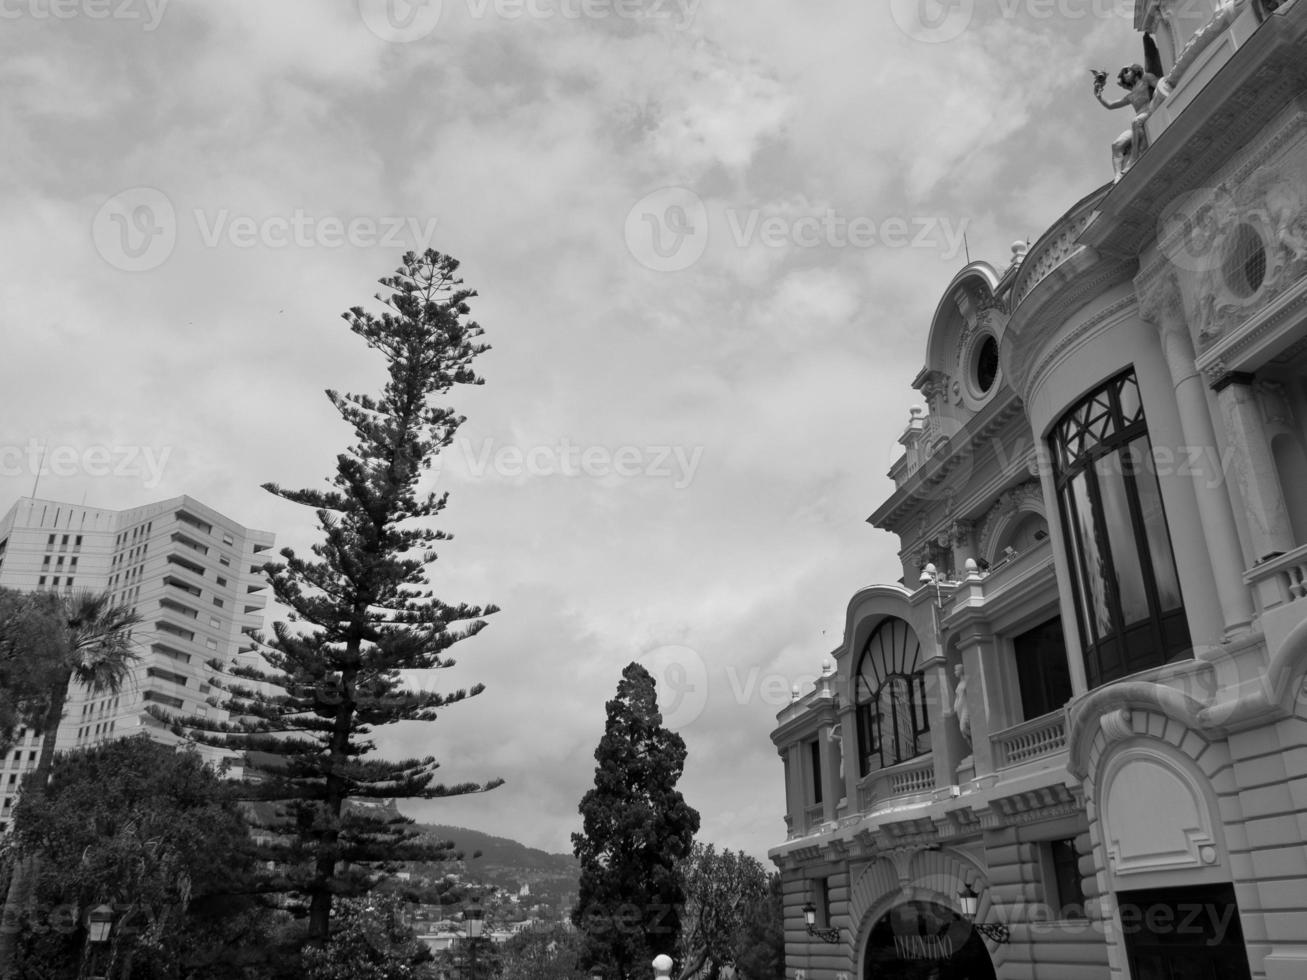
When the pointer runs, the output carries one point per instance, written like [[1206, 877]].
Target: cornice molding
[[1109, 316], [927, 485], [1238, 350]]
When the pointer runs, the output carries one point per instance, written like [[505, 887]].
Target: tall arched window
[[890, 698], [1126, 588]]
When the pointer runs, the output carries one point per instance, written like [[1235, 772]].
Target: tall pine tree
[[361, 615], [637, 829]]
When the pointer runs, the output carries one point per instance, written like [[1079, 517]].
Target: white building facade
[[1084, 702], [187, 569]]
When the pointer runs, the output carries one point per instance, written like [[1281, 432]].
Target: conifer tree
[[637, 829], [361, 615]]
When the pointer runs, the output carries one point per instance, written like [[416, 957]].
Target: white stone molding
[[1074, 339], [1024, 498], [1140, 783]]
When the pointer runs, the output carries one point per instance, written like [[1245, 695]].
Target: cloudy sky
[[708, 236]]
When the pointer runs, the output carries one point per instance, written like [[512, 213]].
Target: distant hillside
[[500, 851], [509, 864]]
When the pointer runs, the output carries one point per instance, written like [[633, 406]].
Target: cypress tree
[[636, 831]]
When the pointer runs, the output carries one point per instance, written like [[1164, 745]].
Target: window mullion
[[1070, 520], [1140, 534], [1102, 539]]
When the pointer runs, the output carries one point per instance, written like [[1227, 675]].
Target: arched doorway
[[925, 941]]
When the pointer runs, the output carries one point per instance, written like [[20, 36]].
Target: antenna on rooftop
[[966, 247], [36, 480]]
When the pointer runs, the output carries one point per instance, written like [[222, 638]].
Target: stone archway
[[924, 940]]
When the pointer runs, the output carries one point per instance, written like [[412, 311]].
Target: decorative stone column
[[1160, 304], [830, 787], [794, 789], [976, 643], [1254, 463]]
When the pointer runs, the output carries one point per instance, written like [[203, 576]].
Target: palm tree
[[95, 650]]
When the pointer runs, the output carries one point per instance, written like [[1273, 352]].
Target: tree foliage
[[723, 892], [552, 953], [369, 941], [154, 834], [82, 637], [31, 632], [636, 831], [361, 615], [760, 943]]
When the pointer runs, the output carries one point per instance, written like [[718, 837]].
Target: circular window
[[986, 365], [1244, 267]]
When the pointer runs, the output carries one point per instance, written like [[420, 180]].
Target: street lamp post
[[99, 926], [474, 918]]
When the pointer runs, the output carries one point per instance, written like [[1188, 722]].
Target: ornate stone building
[[1084, 702]]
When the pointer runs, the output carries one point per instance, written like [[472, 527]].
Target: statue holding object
[[1140, 83]]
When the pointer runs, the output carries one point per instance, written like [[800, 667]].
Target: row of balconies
[[1015, 750], [1042, 740]]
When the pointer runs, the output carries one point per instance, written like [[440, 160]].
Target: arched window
[[1127, 590], [890, 698]]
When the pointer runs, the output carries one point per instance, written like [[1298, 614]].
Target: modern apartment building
[[187, 569], [1071, 741]]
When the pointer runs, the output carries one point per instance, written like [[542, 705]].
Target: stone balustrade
[[1031, 739]]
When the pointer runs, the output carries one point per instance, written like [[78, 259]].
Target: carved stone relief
[[1244, 243]]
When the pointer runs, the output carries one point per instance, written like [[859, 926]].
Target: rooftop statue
[[1140, 83]]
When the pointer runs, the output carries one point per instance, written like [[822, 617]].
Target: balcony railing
[[813, 816], [1032, 739], [905, 779], [1280, 580]]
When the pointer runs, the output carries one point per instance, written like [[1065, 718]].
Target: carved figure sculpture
[[960, 707], [1140, 83], [836, 735]]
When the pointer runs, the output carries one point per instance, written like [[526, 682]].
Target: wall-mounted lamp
[[995, 932], [930, 575], [810, 917]]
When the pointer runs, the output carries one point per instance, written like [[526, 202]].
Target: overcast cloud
[[708, 236]]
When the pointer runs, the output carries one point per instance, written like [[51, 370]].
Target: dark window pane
[[1121, 535], [1042, 671], [1095, 566], [815, 749], [1154, 521], [1123, 571], [1070, 898]]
